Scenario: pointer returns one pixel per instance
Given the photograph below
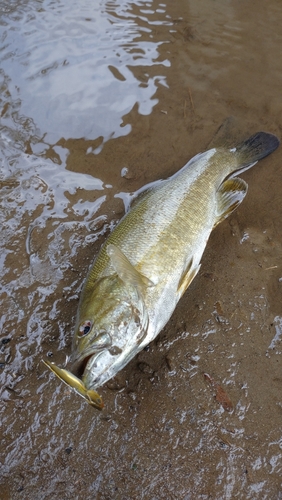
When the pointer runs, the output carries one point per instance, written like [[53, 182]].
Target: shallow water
[[97, 101]]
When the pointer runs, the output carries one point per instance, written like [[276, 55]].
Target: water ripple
[[77, 69]]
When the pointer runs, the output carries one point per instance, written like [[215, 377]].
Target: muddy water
[[97, 100]]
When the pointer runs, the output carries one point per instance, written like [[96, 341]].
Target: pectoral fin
[[229, 196], [125, 270], [187, 277]]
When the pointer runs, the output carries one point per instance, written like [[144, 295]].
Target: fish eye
[[84, 328]]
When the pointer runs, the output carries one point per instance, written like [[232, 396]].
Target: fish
[[150, 259], [92, 397]]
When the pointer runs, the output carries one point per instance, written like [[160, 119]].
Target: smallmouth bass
[[150, 259]]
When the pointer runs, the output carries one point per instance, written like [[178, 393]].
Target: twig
[[191, 100]]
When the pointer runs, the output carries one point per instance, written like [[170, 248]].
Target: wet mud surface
[[96, 102]]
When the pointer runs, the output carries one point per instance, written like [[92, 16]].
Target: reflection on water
[[74, 69], [276, 343]]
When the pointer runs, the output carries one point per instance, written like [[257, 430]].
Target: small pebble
[[145, 368], [168, 363], [5, 341]]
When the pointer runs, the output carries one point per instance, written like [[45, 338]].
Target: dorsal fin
[[227, 134], [125, 270]]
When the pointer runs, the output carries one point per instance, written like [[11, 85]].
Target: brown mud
[[198, 414]]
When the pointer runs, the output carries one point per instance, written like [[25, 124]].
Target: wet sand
[[164, 432]]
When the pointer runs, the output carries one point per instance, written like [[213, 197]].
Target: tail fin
[[256, 147]]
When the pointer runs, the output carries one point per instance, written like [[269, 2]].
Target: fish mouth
[[79, 366], [86, 369], [96, 367], [79, 363]]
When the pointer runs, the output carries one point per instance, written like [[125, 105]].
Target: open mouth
[[89, 368], [79, 367]]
